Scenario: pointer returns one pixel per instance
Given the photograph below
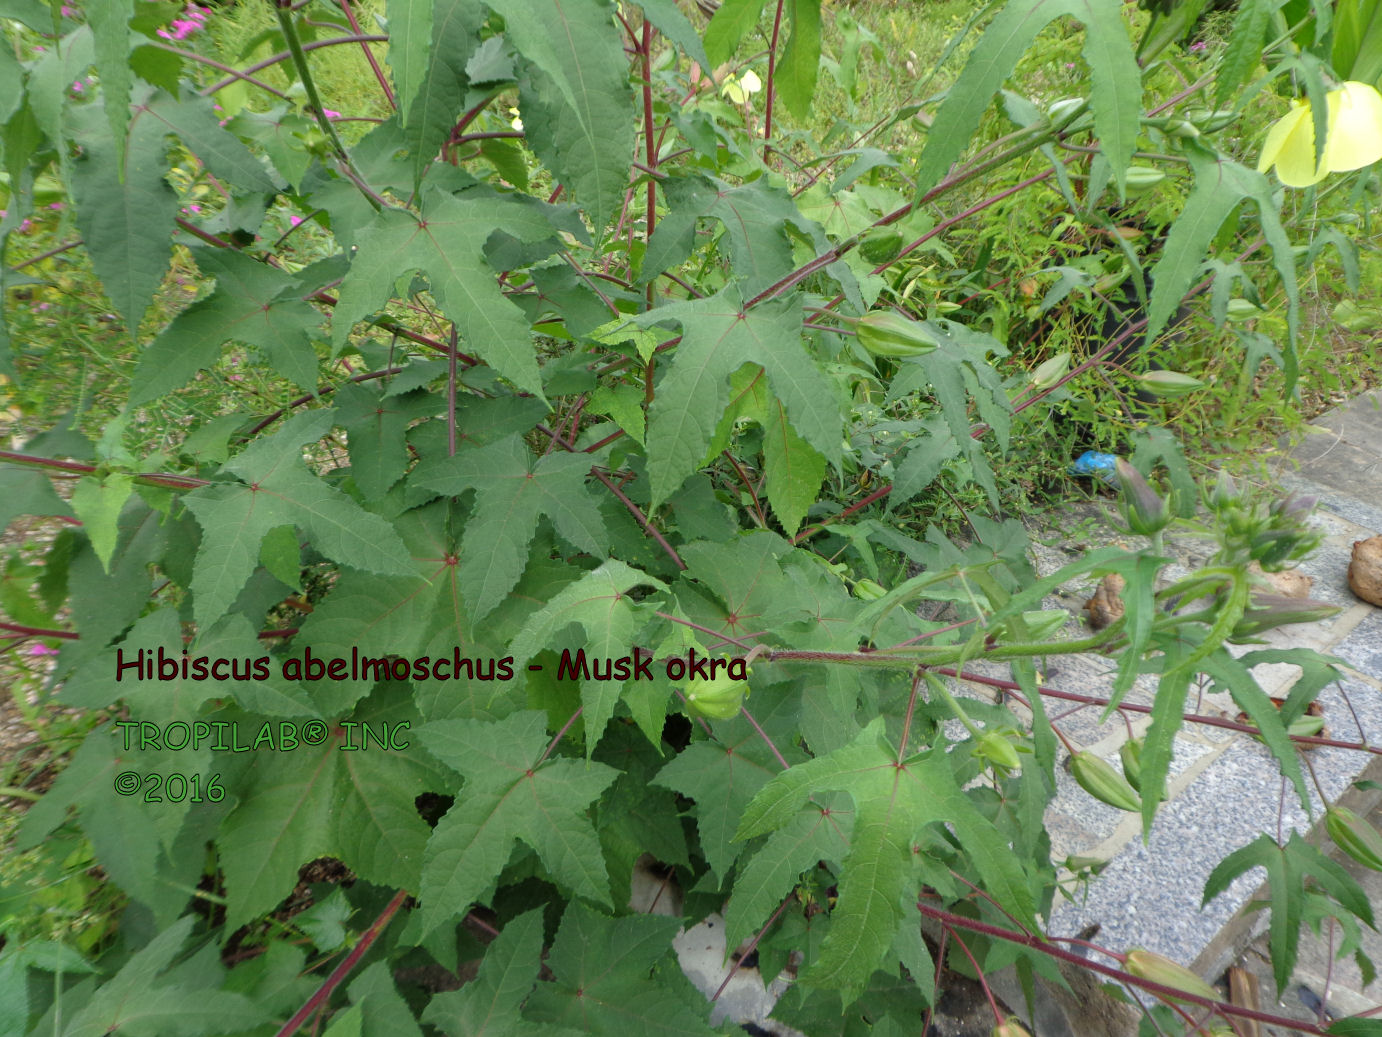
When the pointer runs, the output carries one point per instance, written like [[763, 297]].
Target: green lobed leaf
[[577, 108], [1115, 99], [600, 605], [125, 208], [509, 795], [356, 804], [437, 101], [447, 245], [410, 39], [194, 121], [892, 804], [718, 336], [606, 983], [252, 303], [513, 490], [817, 833], [732, 21], [801, 58], [280, 490], [150, 997], [488, 1006]]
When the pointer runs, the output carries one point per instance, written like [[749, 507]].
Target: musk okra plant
[[566, 519]]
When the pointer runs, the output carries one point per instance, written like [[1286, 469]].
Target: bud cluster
[[1273, 535]]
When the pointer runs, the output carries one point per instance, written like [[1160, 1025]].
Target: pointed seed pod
[[868, 590], [889, 334], [1155, 969], [1169, 383], [1141, 179], [1267, 611], [1355, 836], [1130, 753], [998, 750], [1011, 1028], [1103, 782]]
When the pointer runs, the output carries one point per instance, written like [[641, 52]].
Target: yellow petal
[[1290, 146], [752, 84], [1355, 128]]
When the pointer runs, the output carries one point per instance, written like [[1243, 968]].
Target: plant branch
[[323, 994]]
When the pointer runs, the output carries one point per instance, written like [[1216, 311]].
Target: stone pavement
[[1225, 787]]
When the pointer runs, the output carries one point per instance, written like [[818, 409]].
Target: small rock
[[1106, 605], [1365, 571], [1290, 583]]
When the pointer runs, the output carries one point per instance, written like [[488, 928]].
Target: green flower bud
[[868, 590], [719, 698], [998, 749], [1156, 969], [1355, 836], [1011, 1028], [1130, 753], [1144, 512], [889, 334], [1103, 782], [1169, 383], [1141, 179], [1268, 611]]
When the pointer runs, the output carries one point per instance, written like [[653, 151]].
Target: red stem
[[369, 55], [323, 994], [772, 83]]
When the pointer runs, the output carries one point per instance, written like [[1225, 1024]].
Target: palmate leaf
[[892, 804], [676, 27], [132, 839], [353, 804], [148, 998], [447, 245], [513, 490], [599, 604], [436, 100], [608, 981], [125, 208], [722, 777], [195, 122], [488, 1006], [509, 795], [253, 303], [801, 58], [577, 107], [756, 217], [280, 490], [1116, 95], [410, 38], [817, 833], [718, 337], [1288, 867], [793, 470]]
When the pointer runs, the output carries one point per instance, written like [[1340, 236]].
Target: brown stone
[[1365, 571]]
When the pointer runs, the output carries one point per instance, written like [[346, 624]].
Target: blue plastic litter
[[1099, 466]]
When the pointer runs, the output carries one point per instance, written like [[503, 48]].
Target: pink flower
[[42, 649], [294, 220], [330, 114], [43, 306], [1199, 45], [78, 87], [24, 227], [55, 205], [68, 12]]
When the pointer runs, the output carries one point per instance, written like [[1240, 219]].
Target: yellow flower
[[1354, 137], [738, 89]]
